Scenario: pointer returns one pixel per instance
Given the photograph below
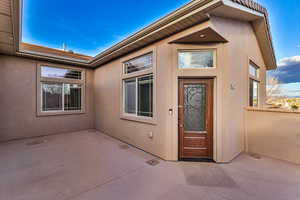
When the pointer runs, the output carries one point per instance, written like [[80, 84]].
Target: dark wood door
[[195, 118]]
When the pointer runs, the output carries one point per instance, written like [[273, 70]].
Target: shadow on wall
[[274, 134]]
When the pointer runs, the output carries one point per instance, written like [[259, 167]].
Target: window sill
[[144, 120], [199, 68], [254, 78], [137, 74], [58, 113]]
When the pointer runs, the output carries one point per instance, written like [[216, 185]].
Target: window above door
[[196, 59]]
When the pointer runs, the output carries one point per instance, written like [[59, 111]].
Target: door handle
[[180, 125]]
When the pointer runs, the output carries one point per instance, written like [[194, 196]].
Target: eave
[[187, 16], [179, 20]]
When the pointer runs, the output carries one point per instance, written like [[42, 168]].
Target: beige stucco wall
[[18, 117], [274, 134], [242, 47], [104, 94], [107, 90], [231, 92]]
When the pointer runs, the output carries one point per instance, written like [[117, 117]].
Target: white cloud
[[290, 89], [288, 60]]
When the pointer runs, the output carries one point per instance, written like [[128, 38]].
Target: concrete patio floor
[[91, 166]]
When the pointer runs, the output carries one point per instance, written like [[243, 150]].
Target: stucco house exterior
[[177, 89]]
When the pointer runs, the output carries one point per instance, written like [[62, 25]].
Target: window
[[130, 96], [138, 64], [55, 94], [196, 59], [138, 96], [51, 97], [145, 96], [254, 93], [254, 83], [53, 72], [254, 70], [72, 96], [61, 90], [138, 88]]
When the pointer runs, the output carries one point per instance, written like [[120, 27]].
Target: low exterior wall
[[273, 133]]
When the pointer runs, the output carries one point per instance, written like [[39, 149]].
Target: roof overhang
[[187, 16], [205, 35], [247, 10], [52, 58], [9, 26]]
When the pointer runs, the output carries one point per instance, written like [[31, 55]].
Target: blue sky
[[285, 25], [91, 27], [284, 18]]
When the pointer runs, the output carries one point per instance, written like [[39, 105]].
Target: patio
[[89, 165]]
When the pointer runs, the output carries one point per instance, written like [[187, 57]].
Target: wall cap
[[253, 109]]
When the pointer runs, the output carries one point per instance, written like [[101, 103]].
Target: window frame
[[214, 51], [60, 78], [41, 80], [136, 97], [143, 73], [256, 79], [251, 81], [137, 72], [257, 68]]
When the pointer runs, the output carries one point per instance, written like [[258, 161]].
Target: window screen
[[145, 96], [51, 97], [254, 93], [54, 94], [138, 96], [130, 96], [72, 97]]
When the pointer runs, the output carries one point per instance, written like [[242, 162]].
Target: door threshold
[[210, 160]]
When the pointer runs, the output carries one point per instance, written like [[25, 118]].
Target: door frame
[[209, 116]]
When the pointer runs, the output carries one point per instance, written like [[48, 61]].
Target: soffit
[[206, 35], [193, 13]]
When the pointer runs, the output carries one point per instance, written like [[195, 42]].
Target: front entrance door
[[195, 119]]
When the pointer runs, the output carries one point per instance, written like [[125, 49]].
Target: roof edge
[[193, 5], [196, 7], [51, 58], [27, 47], [250, 4], [259, 8]]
